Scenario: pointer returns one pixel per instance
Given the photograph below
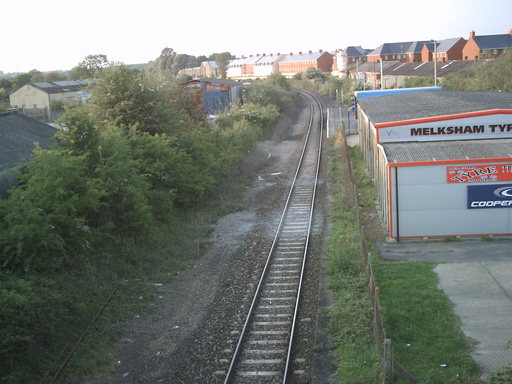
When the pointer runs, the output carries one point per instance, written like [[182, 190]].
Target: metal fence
[[385, 345], [492, 358]]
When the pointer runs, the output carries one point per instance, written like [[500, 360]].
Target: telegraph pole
[[435, 63]]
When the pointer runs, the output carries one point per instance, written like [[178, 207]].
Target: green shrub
[[266, 94], [502, 376], [47, 218], [30, 319]]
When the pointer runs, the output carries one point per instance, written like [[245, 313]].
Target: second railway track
[[263, 353]]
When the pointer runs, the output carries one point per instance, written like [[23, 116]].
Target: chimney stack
[[472, 34]]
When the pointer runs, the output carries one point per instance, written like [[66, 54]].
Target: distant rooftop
[[416, 105], [61, 86], [494, 41], [302, 56], [18, 135]]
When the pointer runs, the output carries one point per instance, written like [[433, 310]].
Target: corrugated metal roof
[[61, 86], [416, 105], [374, 67], [448, 150], [213, 81], [426, 68]]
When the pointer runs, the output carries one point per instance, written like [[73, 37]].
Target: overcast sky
[[58, 34]]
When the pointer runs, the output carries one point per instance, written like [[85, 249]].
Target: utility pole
[[381, 76], [435, 63]]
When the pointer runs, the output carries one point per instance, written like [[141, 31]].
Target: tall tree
[[222, 61], [94, 62], [54, 76], [182, 61], [124, 98], [89, 67], [166, 59], [25, 78]]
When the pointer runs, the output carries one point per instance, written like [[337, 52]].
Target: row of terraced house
[[344, 62]]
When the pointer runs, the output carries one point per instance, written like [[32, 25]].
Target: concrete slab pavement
[[477, 277], [482, 297]]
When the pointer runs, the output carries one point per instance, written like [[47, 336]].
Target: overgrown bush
[[483, 75], [266, 94], [46, 219], [502, 376], [32, 312], [125, 168]]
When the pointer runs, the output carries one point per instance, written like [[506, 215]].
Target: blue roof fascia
[[387, 92]]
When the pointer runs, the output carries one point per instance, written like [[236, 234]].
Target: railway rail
[[264, 351]]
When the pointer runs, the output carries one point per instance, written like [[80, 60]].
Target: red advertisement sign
[[479, 173]]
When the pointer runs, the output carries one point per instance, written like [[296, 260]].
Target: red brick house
[[445, 50], [356, 54], [486, 47], [299, 62], [406, 52]]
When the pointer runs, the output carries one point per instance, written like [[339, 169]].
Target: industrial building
[[215, 95], [441, 161]]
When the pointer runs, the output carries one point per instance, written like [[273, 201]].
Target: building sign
[[483, 125], [490, 196], [479, 173]]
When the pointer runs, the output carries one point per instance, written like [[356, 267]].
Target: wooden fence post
[[388, 361]]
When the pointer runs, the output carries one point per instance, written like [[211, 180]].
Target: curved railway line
[[264, 352]]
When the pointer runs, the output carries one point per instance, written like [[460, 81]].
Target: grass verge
[[418, 318], [351, 320]]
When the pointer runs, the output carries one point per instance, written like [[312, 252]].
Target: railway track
[[263, 353]]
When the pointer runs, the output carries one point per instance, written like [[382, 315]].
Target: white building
[[41, 95], [235, 68], [441, 161], [267, 65]]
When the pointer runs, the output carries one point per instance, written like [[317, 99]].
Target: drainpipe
[[397, 207]]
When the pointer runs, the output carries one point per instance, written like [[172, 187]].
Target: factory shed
[[441, 161], [215, 95]]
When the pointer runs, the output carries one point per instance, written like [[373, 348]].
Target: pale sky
[[58, 34]]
